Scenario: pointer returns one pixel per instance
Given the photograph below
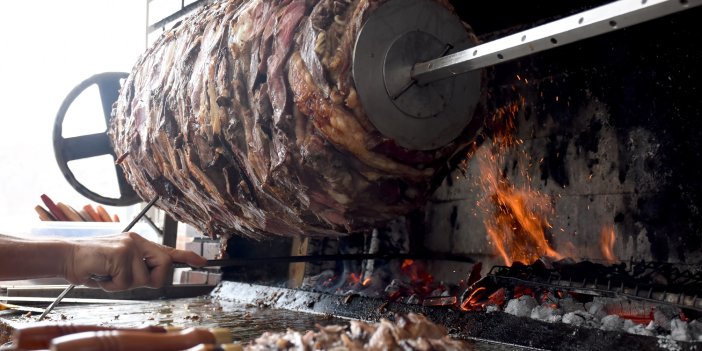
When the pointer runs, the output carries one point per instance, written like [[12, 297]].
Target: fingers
[[90, 283], [159, 274], [157, 256], [188, 257], [130, 260], [182, 256]]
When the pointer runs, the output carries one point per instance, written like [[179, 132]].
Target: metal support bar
[[185, 9], [587, 24]]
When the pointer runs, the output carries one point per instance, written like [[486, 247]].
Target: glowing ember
[[355, 279], [471, 303], [607, 239], [417, 273]]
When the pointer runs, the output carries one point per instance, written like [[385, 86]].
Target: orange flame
[[517, 228], [607, 239], [517, 219]]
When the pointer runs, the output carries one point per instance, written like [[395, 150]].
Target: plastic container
[[87, 229]]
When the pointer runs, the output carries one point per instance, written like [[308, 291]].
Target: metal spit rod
[[587, 24], [98, 278]]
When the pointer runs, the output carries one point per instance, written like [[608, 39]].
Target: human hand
[[128, 258]]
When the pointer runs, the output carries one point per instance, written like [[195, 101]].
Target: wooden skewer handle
[[39, 337], [118, 340]]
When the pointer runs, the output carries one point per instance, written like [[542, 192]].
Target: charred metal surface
[[496, 326]]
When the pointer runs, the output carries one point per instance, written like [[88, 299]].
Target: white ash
[[546, 313], [581, 319], [663, 315], [522, 306], [597, 309], [639, 329], [622, 306], [394, 287], [570, 305], [492, 308], [668, 344], [695, 329], [679, 330], [612, 322], [604, 313], [628, 323]]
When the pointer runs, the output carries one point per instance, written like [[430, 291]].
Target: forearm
[[27, 259]]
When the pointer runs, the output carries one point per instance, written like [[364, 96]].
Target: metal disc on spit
[[92, 145], [395, 37]]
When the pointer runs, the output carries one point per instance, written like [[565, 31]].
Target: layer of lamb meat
[[245, 120]]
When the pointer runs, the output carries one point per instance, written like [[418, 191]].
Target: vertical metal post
[[170, 237]]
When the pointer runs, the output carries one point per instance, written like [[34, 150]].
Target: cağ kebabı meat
[[244, 118]]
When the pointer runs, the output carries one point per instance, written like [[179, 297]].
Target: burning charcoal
[[679, 330], [663, 314], [612, 322], [624, 307], [440, 301], [322, 281], [522, 306], [597, 309], [695, 329], [549, 298], [580, 318], [546, 313]]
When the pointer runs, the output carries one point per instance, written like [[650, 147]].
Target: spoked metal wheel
[[92, 145]]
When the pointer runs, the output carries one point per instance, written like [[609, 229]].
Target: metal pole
[[587, 24]]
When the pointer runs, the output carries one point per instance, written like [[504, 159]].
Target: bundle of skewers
[[67, 337], [63, 212]]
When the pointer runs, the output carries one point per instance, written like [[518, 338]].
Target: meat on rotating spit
[[245, 120]]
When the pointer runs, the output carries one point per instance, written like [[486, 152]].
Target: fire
[[518, 225], [517, 218], [607, 239], [355, 279]]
